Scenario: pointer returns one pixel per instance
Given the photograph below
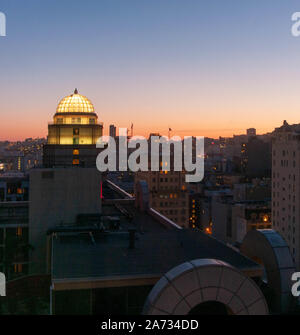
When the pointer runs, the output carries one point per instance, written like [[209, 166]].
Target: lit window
[[208, 230], [18, 268], [76, 120], [19, 231], [19, 191], [75, 152], [265, 218], [75, 161]]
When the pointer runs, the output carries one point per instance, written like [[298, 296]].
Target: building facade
[[57, 197], [286, 186], [168, 194], [112, 131], [14, 244]]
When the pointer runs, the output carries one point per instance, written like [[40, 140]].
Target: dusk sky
[[201, 67]]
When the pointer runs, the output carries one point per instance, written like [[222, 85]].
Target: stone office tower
[[286, 186]]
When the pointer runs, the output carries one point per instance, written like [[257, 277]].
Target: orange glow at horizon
[[19, 132], [15, 131], [157, 66], [27, 115]]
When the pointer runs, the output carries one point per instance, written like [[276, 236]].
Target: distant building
[[168, 194], [13, 187], [12, 161], [257, 190], [195, 210], [112, 131], [232, 220], [206, 214], [256, 158], [14, 238], [248, 208], [251, 132], [21, 156]]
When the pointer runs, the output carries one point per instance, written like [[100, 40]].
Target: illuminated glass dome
[[75, 103]]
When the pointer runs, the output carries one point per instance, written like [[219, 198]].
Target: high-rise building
[[167, 194], [286, 186], [112, 131], [195, 209], [231, 221], [251, 132], [256, 158], [73, 135]]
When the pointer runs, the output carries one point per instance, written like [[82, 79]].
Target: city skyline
[[195, 209], [203, 69]]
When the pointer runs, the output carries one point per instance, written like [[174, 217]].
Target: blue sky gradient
[[202, 67]]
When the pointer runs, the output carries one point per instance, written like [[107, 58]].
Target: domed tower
[[73, 134]]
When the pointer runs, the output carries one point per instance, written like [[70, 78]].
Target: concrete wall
[[57, 196], [221, 214]]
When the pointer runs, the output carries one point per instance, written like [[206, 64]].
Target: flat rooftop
[[94, 256], [107, 255]]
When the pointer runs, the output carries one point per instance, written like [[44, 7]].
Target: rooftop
[[95, 255], [107, 255]]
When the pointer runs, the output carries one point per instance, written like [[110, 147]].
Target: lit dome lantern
[[75, 103], [74, 123]]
